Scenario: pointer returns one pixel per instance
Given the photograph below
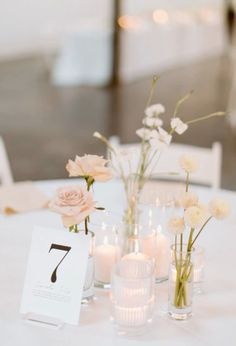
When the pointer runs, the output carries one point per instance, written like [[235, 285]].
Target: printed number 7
[[62, 248]]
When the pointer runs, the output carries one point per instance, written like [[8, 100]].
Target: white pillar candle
[[105, 259], [157, 246]]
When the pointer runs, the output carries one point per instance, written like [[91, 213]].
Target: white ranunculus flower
[[154, 110], [188, 164], [189, 199], [178, 125], [144, 133], [176, 225], [219, 208], [152, 122], [194, 216]]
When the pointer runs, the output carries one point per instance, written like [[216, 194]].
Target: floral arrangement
[[195, 218], [135, 168], [76, 203]]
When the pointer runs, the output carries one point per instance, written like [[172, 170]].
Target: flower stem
[[190, 239], [187, 182], [217, 114], [86, 225], [205, 223], [154, 82], [182, 100]]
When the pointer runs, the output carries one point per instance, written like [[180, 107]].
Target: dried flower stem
[[216, 114], [181, 101]]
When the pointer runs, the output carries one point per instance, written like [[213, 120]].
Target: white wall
[[27, 26]]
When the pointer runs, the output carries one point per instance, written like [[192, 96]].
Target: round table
[[214, 319]]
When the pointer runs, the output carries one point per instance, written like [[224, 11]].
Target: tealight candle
[[137, 256], [135, 265]]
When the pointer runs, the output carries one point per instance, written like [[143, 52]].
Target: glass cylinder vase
[[155, 217], [105, 225], [132, 294], [132, 194], [140, 241], [88, 289], [180, 282], [199, 267]]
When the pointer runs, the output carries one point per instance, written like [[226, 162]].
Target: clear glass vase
[[105, 225], [132, 295], [199, 267], [132, 192], [140, 242], [180, 282], [88, 289], [155, 217]]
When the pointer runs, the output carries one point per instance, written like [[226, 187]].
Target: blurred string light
[[160, 16], [129, 22], [209, 15], [183, 17]]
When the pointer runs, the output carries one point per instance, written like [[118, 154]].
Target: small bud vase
[[180, 282], [88, 290]]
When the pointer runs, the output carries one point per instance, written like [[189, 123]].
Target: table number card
[[55, 274]]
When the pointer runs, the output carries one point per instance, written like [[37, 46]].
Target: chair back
[[168, 168], [5, 170]]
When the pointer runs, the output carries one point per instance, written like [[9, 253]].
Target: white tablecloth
[[214, 320]]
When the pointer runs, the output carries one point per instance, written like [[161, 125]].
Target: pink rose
[[74, 203], [89, 165]]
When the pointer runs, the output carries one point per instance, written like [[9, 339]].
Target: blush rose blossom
[[74, 203], [89, 166]]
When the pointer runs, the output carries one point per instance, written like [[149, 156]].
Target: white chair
[[5, 170], [210, 161]]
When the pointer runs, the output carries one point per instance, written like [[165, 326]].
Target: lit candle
[[133, 296], [105, 259], [137, 256], [135, 265], [157, 246]]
